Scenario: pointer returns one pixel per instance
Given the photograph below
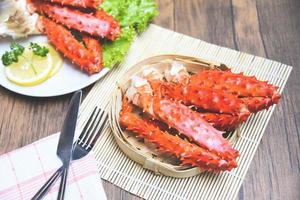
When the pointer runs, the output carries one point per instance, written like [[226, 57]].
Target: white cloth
[[25, 170]]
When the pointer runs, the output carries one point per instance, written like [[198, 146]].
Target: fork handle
[[63, 183], [45, 188]]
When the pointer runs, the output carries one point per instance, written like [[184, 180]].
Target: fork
[[81, 148]]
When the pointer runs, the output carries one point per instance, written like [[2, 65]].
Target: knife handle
[[63, 182], [45, 188]]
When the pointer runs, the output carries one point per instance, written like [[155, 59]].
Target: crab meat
[[79, 3], [189, 154], [174, 114], [100, 24], [89, 58]]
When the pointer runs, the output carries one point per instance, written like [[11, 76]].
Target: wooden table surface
[[267, 28]]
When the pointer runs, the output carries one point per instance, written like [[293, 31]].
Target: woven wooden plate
[[136, 149]]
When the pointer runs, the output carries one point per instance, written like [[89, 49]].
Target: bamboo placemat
[[116, 168]]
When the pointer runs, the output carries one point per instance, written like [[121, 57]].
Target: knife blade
[[64, 147], [65, 144]]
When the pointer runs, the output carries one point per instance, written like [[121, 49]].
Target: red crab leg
[[104, 26], [95, 48], [191, 124], [214, 100], [256, 104], [178, 116], [222, 122], [237, 84], [189, 154], [115, 29], [65, 42], [243, 86], [79, 3]]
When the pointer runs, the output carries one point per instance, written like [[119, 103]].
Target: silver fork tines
[[90, 134], [81, 148]]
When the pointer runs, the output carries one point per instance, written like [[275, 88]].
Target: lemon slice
[[30, 69], [57, 60]]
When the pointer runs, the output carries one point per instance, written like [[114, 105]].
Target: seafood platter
[[179, 116], [175, 115], [46, 42]]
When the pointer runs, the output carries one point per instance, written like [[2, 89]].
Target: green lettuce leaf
[[133, 15], [115, 52]]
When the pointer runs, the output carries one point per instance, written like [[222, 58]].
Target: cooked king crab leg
[[256, 104], [222, 122], [189, 154], [256, 95], [89, 59], [178, 116], [211, 100], [100, 24], [79, 3], [203, 97], [237, 84], [178, 74]]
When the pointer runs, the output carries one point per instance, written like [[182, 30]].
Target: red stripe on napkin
[[26, 169]]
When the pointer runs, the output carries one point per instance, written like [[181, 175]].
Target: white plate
[[69, 78]]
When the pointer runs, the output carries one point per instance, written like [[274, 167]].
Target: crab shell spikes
[[180, 117], [89, 59], [237, 84], [206, 98], [80, 4], [101, 24], [189, 154]]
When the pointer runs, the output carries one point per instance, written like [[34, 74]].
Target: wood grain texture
[[268, 28]]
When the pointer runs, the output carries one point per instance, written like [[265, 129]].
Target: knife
[[65, 144], [64, 148]]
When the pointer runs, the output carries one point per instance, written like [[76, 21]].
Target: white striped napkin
[[25, 170]]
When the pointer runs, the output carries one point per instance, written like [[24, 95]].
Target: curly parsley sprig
[[38, 50], [12, 56], [17, 50]]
